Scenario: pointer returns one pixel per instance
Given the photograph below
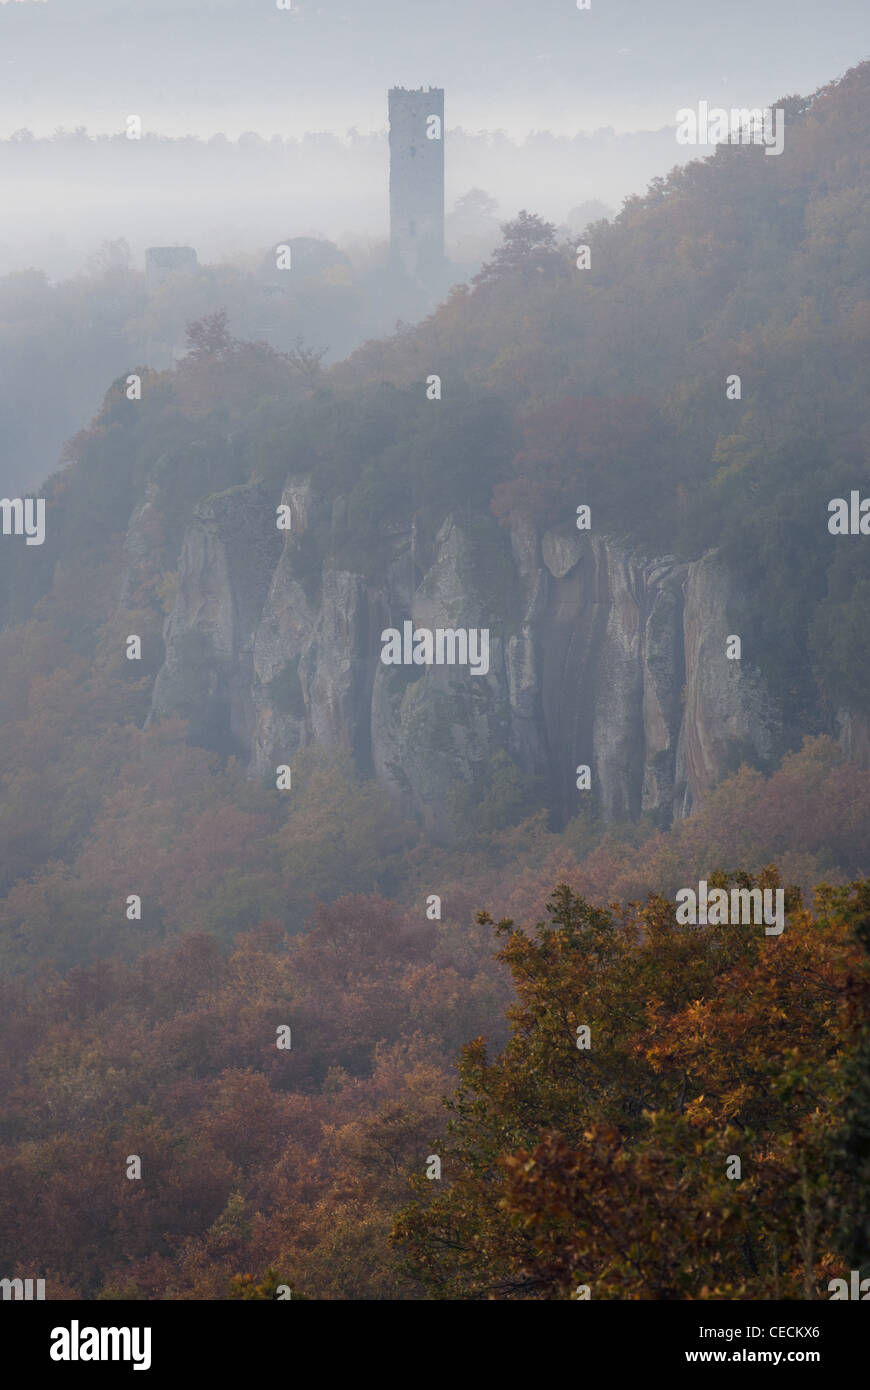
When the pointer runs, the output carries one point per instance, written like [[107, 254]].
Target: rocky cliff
[[598, 656]]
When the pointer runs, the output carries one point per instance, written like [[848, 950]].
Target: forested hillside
[[311, 908]]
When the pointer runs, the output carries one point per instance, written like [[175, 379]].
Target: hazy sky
[[199, 66]]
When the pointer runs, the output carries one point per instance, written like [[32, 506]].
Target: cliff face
[[598, 656]]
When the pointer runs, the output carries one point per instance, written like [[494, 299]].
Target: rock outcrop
[[598, 656]]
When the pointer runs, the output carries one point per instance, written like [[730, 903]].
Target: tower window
[[413, 151], [412, 228]]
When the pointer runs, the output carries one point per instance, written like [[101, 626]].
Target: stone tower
[[417, 180]]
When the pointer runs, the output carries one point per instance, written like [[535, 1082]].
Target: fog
[[262, 124], [70, 193], [197, 66]]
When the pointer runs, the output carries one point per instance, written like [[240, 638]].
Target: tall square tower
[[417, 179]]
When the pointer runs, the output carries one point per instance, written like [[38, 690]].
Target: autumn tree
[[661, 1122], [528, 252]]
